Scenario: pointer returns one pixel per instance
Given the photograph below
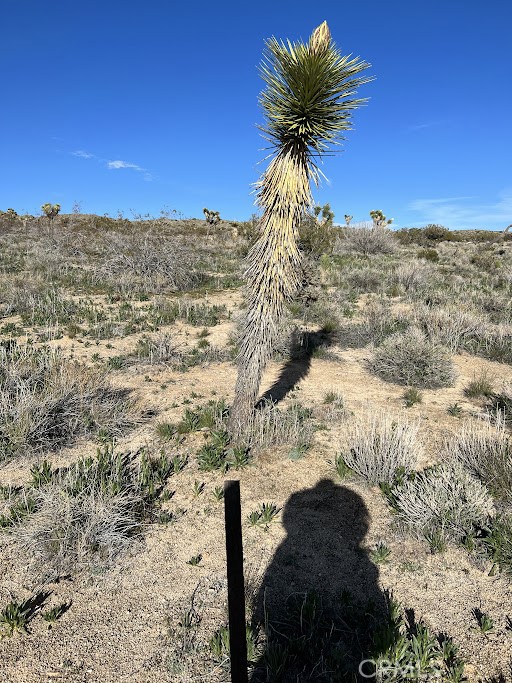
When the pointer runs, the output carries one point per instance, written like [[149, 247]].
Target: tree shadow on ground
[[319, 600], [303, 348]]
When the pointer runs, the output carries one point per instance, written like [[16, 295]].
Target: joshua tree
[[211, 217], [50, 211], [307, 103], [379, 219], [348, 218], [323, 214]]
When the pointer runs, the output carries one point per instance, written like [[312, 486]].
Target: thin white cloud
[[421, 126], [123, 164], [459, 213], [82, 154], [114, 164]]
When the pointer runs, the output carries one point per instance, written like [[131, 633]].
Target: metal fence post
[[236, 591]]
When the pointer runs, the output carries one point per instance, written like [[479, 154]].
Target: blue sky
[[143, 106]]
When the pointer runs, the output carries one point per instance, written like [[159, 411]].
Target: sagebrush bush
[[452, 326], [486, 451], [156, 261], [444, 501], [379, 321], [366, 239], [411, 275], [409, 358], [378, 445], [46, 401]]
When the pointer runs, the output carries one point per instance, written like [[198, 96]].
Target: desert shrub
[[378, 445], [316, 237], [156, 261], [444, 502], [46, 401], [38, 304], [437, 233], [366, 280], [411, 276], [486, 451], [378, 321], [411, 359], [453, 327], [86, 515], [366, 239], [501, 402], [428, 255], [496, 344]]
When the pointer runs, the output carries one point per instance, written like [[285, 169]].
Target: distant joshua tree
[[379, 219], [348, 219], [211, 217], [307, 104], [50, 211]]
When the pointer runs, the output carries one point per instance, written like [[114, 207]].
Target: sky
[[131, 107]]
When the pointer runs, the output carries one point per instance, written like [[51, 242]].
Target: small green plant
[[178, 463], [55, 613], [455, 410], [166, 430], [219, 644], [218, 493], [484, 621], [380, 554], [198, 488], [264, 516], [498, 544], [436, 540], [341, 467], [17, 615], [237, 458], [412, 397], [41, 474], [298, 451], [195, 560]]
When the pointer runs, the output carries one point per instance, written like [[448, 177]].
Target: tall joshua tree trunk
[[307, 104]]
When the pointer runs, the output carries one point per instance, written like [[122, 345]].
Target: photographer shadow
[[319, 601]]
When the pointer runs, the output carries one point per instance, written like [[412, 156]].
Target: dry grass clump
[[409, 358], [274, 427], [159, 350], [442, 503], [378, 445], [46, 401], [36, 302], [366, 239], [486, 451]]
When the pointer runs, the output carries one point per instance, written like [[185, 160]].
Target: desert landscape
[[375, 482]]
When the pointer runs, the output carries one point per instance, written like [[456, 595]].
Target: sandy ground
[[119, 625]]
